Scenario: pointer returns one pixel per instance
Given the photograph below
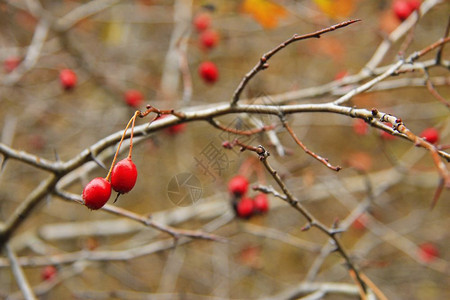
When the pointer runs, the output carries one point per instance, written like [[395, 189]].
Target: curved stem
[[108, 177], [137, 113]]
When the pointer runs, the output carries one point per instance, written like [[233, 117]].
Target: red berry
[[360, 127], [386, 135], [48, 273], [238, 185], [428, 252], [133, 98], [208, 72], [202, 21], [96, 193], [174, 129], [209, 39], [414, 4], [431, 135], [11, 63], [261, 203], [244, 208], [361, 222], [341, 74], [402, 9], [123, 176], [68, 79]]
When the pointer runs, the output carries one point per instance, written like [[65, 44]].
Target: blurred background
[[383, 194]]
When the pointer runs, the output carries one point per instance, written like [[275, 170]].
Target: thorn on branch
[[5, 159], [98, 162], [317, 157]]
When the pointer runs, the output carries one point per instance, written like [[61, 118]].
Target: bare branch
[[21, 280], [263, 62]]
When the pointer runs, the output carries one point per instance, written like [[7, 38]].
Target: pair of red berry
[[123, 178], [209, 38], [245, 207]]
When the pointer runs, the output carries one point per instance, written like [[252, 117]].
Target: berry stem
[[108, 177], [137, 113]]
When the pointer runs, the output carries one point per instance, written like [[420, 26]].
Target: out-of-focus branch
[[21, 280], [82, 12], [32, 55], [398, 33], [145, 220]]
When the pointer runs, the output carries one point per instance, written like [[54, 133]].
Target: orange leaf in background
[[265, 12], [336, 9], [330, 47]]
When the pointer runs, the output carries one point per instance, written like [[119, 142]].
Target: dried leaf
[[336, 9], [265, 12]]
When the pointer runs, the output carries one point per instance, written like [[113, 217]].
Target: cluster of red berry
[[121, 177], [404, 8], [244, 206], [208, 39]]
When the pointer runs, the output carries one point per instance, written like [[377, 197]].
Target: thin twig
[[317, 157], [289, 198], [262, 63], [441, 48], [21, 280], [218, 125]]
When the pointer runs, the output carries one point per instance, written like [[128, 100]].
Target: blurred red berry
[[202, 21], [403, 8], [386, 135], [133, 98], [48, 273], [431, 135], [341, 74], [123, 176], [174, 129], [428, 252], [251, 256], [360, 127], [68, 79], [37, 142], [96, 193], [209, 39], [414, 4], [208, 72], [361, 222], [261, 203], [11, 63], [244, 208], [238, 185]]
